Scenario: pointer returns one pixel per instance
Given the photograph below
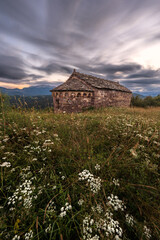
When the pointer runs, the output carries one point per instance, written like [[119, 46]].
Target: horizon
[[43, 41]]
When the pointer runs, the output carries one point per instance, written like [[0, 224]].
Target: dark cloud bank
[[43, 37]]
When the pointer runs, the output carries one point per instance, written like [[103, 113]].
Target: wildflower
[[87, 227], [116, 203], [28, 235], [97, 208], [113, 227], [62, 214], [65, 209], [146, 138], [48, 229], [133, 152], [80, 202], [95, 183], [129, 125], [55, 135], [129, 219], [116, 182], [16, 237], [97, 167], [5, 164], [47, 143], [41, 170], [5, 139], [51, 207], [147, 232], [24, 190]]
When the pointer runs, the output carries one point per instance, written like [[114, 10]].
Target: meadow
[[89, 176]]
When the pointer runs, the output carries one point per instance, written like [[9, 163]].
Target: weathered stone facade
[[83, 91]]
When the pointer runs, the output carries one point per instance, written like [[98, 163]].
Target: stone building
[[83, 91]]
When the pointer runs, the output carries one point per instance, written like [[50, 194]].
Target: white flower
[[5, 164], [23, 192], [62, 214], [62, 209], [94, 183], [116, 203], [147, 232], [28, 235], [133, 152], [116, 182], [129, 219], [97, 167], [97, 208], [80, 202], [65, 209], [55, 135], [48, 229], [16, 237]]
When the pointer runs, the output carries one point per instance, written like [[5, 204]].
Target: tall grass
[[92, 175]]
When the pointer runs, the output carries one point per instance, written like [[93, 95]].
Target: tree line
[[43, 102], [145, 102]]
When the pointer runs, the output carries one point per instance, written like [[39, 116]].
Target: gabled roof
[[83, 82], [73, 84]]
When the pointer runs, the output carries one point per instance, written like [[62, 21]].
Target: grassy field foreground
[[91, 176]]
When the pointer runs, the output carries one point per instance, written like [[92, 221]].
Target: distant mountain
[[146, 94], [30, 91], [43, 90]]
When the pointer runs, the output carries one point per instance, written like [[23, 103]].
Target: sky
[[42, 41]]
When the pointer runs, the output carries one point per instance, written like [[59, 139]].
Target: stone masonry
[[83, 91]]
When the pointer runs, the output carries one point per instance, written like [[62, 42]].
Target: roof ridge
[[75, 72], [89, 82]]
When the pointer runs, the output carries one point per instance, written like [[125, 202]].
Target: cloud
[[145, 73], [143, 82], [12, 69], [114, 68], [54, 68], [47, 83], [103, 38]]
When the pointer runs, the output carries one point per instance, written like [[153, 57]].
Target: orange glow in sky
[[10, 85]]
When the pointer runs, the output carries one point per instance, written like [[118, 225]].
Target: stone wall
[[75, 101], [112, 98], [72, 101]]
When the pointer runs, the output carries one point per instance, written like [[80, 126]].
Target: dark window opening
[[57, 102]]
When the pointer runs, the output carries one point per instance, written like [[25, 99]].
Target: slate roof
[[73, 84], [83, 82]]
